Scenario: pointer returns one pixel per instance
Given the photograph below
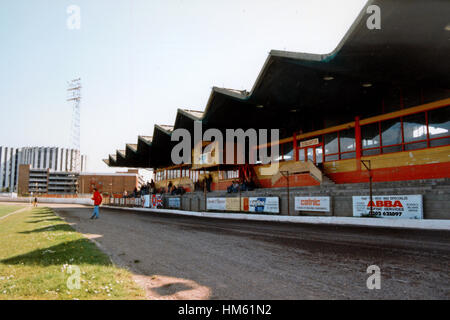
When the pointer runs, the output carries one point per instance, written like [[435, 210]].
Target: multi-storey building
[[39, 158], [46, 181]]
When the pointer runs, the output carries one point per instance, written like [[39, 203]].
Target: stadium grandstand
[[381, 96]]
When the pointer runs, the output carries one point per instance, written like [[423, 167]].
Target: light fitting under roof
[[328, 78], [367, 85]]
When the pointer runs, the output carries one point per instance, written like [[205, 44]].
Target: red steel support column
[[295, 147], [358, 142]]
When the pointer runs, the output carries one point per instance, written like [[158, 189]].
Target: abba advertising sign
[[394, 207], [315, 204]]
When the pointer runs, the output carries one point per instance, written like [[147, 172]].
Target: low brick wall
[[436, 197]]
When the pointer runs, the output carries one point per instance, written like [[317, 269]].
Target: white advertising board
[[147, 201], [257, 205], [269, 205], [394, 207], [218, 204], [314, 204]]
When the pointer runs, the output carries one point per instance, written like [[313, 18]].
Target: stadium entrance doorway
[[313, 154]]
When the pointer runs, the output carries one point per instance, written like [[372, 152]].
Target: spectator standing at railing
[[173, 191]]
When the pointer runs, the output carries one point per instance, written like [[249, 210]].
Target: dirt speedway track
[[177, 257]]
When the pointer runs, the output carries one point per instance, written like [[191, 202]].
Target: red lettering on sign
[[310, 202], [398, 204], [385, 204]]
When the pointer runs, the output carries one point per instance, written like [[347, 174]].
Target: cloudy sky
[[140, 60]]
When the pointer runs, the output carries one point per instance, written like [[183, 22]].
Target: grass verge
[[7, 209], [40, 256]]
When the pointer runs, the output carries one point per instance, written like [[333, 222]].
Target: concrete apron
[[342, 221]]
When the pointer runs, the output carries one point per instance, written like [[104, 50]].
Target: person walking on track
[[97, 197]]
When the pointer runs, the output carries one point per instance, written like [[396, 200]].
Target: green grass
[[7, 209], [36, 249]]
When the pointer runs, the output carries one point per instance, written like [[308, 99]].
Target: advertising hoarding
[[314, 204], [255, 205], [216, 204], [174, 203], [152, 201], [260, 205], [393, 207]]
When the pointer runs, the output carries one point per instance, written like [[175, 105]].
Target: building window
[[347, 140], [347, 144], [195, 175], [415, 131], [287, 151], [161, 175], [370, 136], [439, 126], [39, 160], [339, 145], [319, 155], [391, 135], [331, 146], [412, 132], [230, 174]]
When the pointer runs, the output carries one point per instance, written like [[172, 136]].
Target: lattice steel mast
[[74, 97]]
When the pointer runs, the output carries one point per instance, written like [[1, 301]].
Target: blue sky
[[140, 60]]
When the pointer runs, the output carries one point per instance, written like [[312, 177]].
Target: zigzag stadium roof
[[303, 91]]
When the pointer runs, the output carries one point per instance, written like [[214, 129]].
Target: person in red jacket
[[97, 202]]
